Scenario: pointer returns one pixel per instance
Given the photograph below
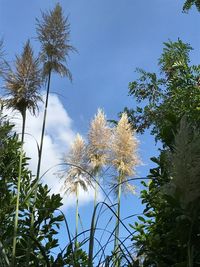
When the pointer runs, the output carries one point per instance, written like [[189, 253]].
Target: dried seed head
[[98, 138], [76, 175], [53, 33], [24, 83], [77, 152], [124, 147]]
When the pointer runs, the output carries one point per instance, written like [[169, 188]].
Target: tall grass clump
[[124, 160], [22, 85], [53, 31], [87, 162]]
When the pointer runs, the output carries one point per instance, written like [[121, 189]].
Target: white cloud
[[58, 136]]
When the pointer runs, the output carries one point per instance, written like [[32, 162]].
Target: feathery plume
[[98, 141], [124, 146], [124, 160], [53, 33], [186, 163], [76, 175], [23, 84]]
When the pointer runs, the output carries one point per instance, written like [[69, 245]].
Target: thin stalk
[[18, 191], [4, 258], [190, 255], [190, 247], [40, 149], [116, 242], [91, 242], [39, 162], [76, 231], [43, 127], [96, 194], [23, 127], [96, 191]]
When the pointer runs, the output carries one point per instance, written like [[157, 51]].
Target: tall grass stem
[[18, 191]]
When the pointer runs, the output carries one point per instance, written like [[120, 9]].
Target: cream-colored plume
[[98, 139], [76, 175], [124, 146]]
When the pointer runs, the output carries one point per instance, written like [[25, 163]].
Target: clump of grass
[[116, 148], [124, 159], [22, 86], [53, 32]]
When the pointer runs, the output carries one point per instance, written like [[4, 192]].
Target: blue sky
[[112, 37]]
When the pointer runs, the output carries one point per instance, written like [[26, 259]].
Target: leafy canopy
[[189, 3], [164, 98]]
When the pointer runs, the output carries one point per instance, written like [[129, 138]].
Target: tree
[[46, 222], [189, 3], [167, 234], [163, 101]]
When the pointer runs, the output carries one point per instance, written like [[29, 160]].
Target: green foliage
[[168, 103], [169, 233], [77, 257], [189, 3], [47, 222], [163, 101]]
